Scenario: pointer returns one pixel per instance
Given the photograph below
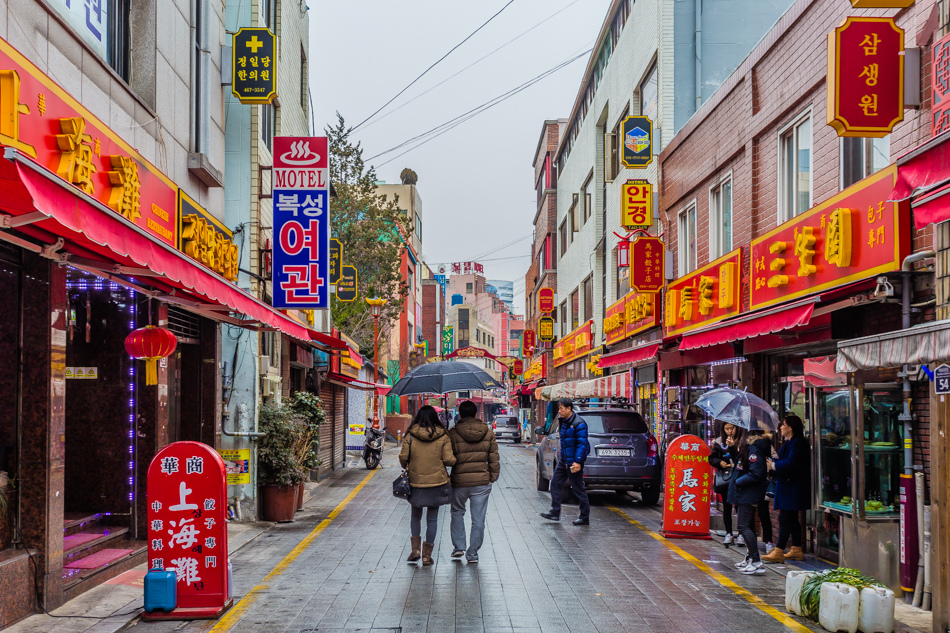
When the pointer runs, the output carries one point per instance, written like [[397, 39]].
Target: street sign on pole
[[546, 328], [254, 65], [942, 379], [346, 288]]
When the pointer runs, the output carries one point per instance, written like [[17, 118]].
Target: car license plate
[[614, 452]]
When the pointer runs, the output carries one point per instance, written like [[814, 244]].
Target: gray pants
[[478, 496]]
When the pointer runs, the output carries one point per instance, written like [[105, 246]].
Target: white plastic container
[[793, 590], [839, 606], [876, 612]]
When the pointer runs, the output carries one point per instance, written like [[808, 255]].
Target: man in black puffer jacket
[[570, 467], [476, 469]]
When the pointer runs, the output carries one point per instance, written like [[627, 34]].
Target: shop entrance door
[[184, 402]]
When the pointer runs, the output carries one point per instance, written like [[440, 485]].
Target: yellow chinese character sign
[[254, 65], [704, 296], [206, 239]]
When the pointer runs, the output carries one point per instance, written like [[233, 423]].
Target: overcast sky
[[476, 180]]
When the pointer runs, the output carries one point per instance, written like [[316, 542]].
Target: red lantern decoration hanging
[[150, 343]]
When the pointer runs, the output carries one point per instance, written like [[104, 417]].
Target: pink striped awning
[[617, 386]]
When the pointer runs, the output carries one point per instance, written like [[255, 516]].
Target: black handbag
[[721, 482], [401, 487]]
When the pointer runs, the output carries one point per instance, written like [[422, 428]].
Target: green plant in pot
[[309, 415], [278, 472]]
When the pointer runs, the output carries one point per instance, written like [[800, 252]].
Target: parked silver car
[[623, 456], [507, 427]]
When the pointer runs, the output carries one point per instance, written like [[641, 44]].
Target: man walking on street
[[574, 450], [476, 469]]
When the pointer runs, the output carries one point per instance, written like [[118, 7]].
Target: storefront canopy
[[927, 343], [84, 232], [925, 172], [606, 387], [756, 324], [635, 355]]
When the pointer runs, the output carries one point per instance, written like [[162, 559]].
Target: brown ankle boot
[[427, 554], [775, 556], [416, 552], [795, 553]]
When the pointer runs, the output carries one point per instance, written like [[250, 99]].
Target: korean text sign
[[42, 121], [636, 210], [687, 488], [866, 77], [254, 65], [855, 235], [704, 296], [301, 223], [187, 522]]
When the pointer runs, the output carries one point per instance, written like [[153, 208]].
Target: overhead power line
[[508, 4], [439, 130], [456, 74]]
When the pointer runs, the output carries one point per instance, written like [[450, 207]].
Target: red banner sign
[[528, 343], [687, 489], [940, 82], [545, 300], [646, 267], [575, 345], [630, 315], [42, 121], [517, 368], [187, 524], [705, 296], [866, 77], [855, 235]]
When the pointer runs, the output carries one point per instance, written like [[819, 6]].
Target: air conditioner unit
[[266, 388], [264, 365]]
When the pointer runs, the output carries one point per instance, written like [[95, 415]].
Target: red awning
[[47, 207], [354, 355], [925, 169], [767, 322], [634, 355], [529, 388]]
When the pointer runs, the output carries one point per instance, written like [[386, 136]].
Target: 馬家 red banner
[[646, 264], [687, 489], [866, 77]]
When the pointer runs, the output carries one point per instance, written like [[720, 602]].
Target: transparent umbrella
[[740, 408]]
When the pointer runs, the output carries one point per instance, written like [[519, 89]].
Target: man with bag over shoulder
[[570, 467]]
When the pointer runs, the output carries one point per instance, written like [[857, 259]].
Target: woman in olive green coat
[[426, 452]]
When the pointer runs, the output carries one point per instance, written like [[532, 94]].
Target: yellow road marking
[[238, 610], [754, 600]]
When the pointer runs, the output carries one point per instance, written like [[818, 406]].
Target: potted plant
[[277, 470], [308, 413]]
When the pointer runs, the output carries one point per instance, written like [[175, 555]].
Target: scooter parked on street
[[372, 447]]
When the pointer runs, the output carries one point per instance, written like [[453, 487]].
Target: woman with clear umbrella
[[752, 440]]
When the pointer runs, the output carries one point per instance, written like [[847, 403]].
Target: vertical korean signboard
[[187, 527], [687, 486], [866, 77], [301, 223]]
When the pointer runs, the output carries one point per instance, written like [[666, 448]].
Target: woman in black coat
[[747, 490], [723, 457], [792, 489]]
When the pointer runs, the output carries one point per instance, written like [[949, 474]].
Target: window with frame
[[615, 148], [795, 168], [587, 198], [589, 298], [648, 90], [267, 125], [861, 157], [623, 278], [304, 84], [269, 13], [564, 321], [468, 288], [686, 239], [572, 219], [575, 310], [563, 237], [720, 218]]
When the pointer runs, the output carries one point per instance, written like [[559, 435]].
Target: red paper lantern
[[150, 343]]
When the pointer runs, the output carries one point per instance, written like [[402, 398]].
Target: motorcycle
[[372, 447]]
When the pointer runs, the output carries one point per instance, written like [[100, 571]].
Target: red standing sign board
[[688, 485], [188, 529]]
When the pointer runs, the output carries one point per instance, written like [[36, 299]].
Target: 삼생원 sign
[[637, 137], [44, 122], [187, 527], [854, 235], [636, 205], [866, 76], [254, 65], [687, 486], [704, 296], [301, 223]]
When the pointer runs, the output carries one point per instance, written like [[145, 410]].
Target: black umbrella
[[443, 377]]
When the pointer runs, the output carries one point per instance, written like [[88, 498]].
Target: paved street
[[532, 576]]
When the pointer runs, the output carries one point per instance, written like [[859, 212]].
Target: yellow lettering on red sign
[[705, 295], [124, 177], [686, 303], [805, 251], [75, 161], [672, 308], [10, 111], [727, 285], [838, 238]]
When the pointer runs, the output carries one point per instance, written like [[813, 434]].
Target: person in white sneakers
[[723, 460], [747, 489]]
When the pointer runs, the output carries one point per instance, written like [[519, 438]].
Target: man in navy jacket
[[570, 467]]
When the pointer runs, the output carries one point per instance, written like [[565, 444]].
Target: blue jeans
[[478, 497], [562, 474]]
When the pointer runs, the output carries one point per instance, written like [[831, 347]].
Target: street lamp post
[[376, 306]]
